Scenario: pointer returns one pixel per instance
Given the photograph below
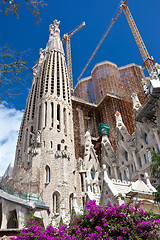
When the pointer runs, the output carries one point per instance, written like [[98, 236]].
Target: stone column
[[122, 174], [55, 75], [81, 125], [135, 159], [55, 116], [5, 212], [50, 73], [49, 119], [60, 76], [61, 118], [20, 216]]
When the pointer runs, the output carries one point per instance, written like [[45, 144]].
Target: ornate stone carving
[[62, 154], [144, 85], [41, 53], [38, 139], [136, 102]]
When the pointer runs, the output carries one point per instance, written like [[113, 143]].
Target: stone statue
[[154, 75], [144, 85], [56, 25], [58, 154], [136, 102], [34, 72], [54, 29], [32, 139], [119, 121], [94, 188], [41, 53], [127, 173], [149, 156], [38, 139], [51, 29], [157, 67]]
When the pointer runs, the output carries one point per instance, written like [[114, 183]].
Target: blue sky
[[119, 46]]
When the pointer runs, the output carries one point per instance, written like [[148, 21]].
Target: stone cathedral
[[63, 158]]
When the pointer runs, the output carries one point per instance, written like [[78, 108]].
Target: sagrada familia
[[94, 144]]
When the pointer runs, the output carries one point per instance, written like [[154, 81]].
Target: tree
[[12, 6], [155, 170], [11, 67], [12, 63]]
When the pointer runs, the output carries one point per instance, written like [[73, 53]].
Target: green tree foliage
[[155, 170]]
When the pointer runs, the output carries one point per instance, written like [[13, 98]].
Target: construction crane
[[66, 38], [148, 61]]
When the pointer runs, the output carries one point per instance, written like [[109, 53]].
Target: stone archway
[[12, 220]]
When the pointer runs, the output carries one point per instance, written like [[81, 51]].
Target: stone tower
[[45, 160]]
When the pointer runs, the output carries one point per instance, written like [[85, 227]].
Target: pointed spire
[[54, 42], [136, 102]]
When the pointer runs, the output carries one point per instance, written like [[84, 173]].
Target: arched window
[[126, 155], [145, 159], [58, 117], [109, 171], [52, 114], [82, 183], [48, 174], [26, 141], [157, 147], [71, 202], [59, 147], [65, 120], [39, 118], [140, 163], [132, 168], [146, 138], [92, 172], [45, 119], [56, 202]]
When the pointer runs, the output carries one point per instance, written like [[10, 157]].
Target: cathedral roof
[[124, 187]]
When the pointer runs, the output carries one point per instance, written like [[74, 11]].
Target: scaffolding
[[111, 88], [107, 78], [85, 90]]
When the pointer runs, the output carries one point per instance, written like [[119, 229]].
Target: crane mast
[[66, 38]]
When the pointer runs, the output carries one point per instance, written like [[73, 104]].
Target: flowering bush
[[100, 222]]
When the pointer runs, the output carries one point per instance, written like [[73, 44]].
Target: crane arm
[[99, 44], [148, 62], [72, 33]]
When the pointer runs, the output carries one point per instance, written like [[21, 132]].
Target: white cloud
[[10, 120]]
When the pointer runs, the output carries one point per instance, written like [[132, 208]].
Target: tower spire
[[55, 43], [46, 141]]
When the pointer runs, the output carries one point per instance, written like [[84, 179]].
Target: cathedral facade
[[61, 161]]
